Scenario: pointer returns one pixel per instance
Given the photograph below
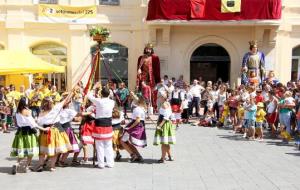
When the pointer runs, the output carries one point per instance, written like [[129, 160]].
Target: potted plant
[[99, 33]]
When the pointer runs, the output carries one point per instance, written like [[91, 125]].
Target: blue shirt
[[251, 112]]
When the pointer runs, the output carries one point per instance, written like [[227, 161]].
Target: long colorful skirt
[[86, 133], [73, 139], [136, 135], [25, 144], [54, 143], [165, 135]]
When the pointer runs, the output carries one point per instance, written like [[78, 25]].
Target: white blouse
[[166, 113], [52, 117], [67, 115], [139, 112], [24, 121]]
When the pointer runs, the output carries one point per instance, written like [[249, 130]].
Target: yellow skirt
[[57, 142], [116, 139]]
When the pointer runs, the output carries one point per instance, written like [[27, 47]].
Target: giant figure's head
[[149, 49], [253, 47]]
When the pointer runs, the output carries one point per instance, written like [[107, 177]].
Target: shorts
[[259, 125], [249, 123], [272, 118]]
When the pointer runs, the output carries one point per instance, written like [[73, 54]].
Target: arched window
[[295, 64], [53, 53], [115, 57]]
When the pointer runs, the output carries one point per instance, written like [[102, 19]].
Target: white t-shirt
[[214, 95], [222, 99], [196, 90], [138, 112], [104, 106]]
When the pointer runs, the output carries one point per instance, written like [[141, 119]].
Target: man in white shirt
[[196, 91], [103, 131]]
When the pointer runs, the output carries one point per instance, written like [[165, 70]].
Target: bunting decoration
[[231, 6], [197, 8]]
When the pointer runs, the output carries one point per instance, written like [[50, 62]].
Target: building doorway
[[116, 58], [211, 62], [295, 74]]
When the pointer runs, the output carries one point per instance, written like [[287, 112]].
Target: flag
[[230, 6], [197, 8]]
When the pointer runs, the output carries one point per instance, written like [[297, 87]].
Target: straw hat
[[260, 104]]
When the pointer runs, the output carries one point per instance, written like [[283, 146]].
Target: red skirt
[[86, 133], [102, 133], [271, 118], [175, 108]]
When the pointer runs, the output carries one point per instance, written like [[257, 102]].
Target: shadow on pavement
[[294, 154], [6, 170]]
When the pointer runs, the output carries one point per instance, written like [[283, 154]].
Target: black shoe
[[160, 161], [14, 170], [118, 157], [140, 159], [133, 159], [171, 158]]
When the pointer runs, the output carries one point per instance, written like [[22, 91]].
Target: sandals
[[75, 163], [61, 164], [170, 158]]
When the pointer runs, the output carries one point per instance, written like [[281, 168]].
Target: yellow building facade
[[180, 45]]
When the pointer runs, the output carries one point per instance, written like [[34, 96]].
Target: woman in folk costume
[[55, 141], [103, 131], [117, 119], [135, 132], [87, 127], [165, 131], [176, 99], [25, 144], [66, 116]]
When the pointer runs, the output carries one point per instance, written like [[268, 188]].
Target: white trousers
[[104, 149]]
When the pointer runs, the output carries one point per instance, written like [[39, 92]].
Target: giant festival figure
[[253, 66], [148, 71]]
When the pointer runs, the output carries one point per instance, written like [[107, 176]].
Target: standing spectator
[[260, 118], [122, 97], [286, 105], [166, 79], [54, 95], [4, 108], [77, 99], [272, 112], [180, 82], [196, 91], [35, 99], [30, 89]]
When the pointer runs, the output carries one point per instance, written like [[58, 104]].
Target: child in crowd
[[260, 118]]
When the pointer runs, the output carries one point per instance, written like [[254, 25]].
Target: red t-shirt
[[259, 98]]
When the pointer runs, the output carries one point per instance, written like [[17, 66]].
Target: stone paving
[[205, 158]]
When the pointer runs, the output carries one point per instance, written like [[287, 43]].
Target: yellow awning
[[23, 62]]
